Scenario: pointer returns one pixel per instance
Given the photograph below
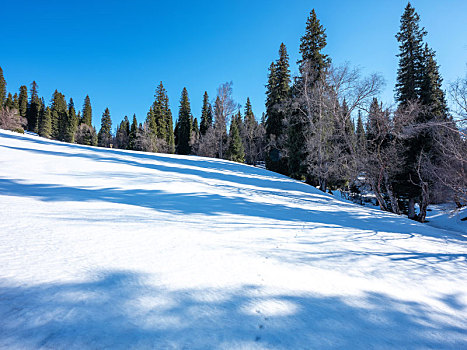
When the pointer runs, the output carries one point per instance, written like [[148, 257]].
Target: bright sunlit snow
[[116, 249]]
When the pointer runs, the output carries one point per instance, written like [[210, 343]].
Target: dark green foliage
[[104, 137], [184, 125], [311, 45], [45, 128], [87, 112], [235, 149], [195, 130], [159, 118], [409, 73], [23, 101], [278, 92], [278, 89], [9, 102], [132, 134], [59, 115], [2, 88], [33, 109], [122, 138], [206, 115], [15, 101], [70, 124]]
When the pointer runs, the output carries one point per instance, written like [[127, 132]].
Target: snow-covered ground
[[115, 249]]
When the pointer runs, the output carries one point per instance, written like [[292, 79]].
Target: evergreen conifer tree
[[71, 123], [23, 101], [312, 65], [2, 88], [311, 46], [33, 109], [59, 110], [235, 151], [184, 124], [104, 137], [132, 134], [87, 112], [409, 73], [9, 103], [45, 128], [16, 101], [278, 92], [206, 115]]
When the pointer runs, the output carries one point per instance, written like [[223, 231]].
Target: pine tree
[[71, 123], [33, 109], [123, 134], [104, 136], [278, 92], [312, 66], [132, 134], [184, 124], [162, 126], [9, 103], [45, 128], [206, 115], [249, 134], [87, 112], [23, 101], [311, 45], [409, 73], [15, 101], [2, 88], [235, 151], [195, 130], [59, 110], [278, 89]]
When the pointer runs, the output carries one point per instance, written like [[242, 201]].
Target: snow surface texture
[[115, 249]]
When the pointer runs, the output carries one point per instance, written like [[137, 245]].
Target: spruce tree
[[195, 130], [2, 88], [9, 103], [184, 124], [104, 137], [311, 46], [59, 110], [312, 65], [162, 125], [15, 101], [45, 128], [235, 150], [33, 109], [132, 134], [206, 115], [278, 92], [71, 123], [409, 73], [87, 112], [23, 101]]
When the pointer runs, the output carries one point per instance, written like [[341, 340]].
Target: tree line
[[324, 126]]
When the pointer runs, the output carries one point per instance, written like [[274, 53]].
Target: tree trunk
[[411, 209]]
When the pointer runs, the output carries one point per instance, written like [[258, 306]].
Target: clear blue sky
[[118, 51]]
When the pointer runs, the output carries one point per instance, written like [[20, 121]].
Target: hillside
[[115, 249]]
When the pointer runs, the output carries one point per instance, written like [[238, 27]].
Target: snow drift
[[116, 249]]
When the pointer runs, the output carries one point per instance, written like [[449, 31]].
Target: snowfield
[[112, 249]]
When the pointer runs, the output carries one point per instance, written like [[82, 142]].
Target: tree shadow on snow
[[122, 309]]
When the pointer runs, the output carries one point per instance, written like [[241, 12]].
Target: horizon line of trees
[[325, 126]]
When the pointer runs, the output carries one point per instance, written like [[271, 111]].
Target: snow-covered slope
[[115, 249]]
